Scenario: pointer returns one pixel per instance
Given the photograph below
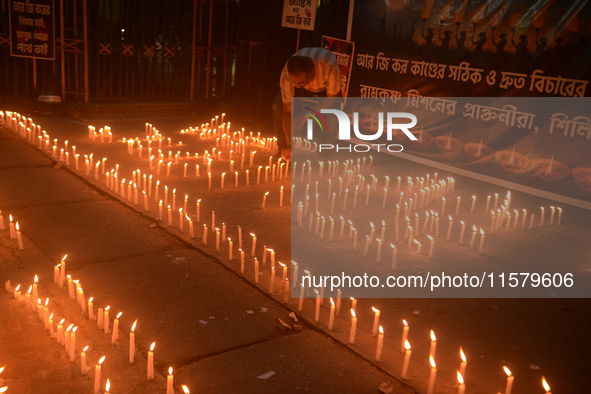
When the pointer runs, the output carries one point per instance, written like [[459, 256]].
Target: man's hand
[[286, 154]]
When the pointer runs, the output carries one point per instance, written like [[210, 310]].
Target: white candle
[[332, 313], [353, 326], [83, 365], [106, 323], [510, 378], [559, 214], [265, 200], [433, 347], [97, 376], [132, 343], [405, 329], [432, 375], [115, 334], [461, 385], [473, 204], [462, 231], [90, 309], [380, 344], [170, 382], [458, 206], [72, 348], [394, 255], [481, 241], [407, 354], [431, 246], [254, 244], [230, 249], [281, 197], [474, 231], [376, 321], [19, 237], [151, 362], [60, 331], [464, 362], [542, 213]]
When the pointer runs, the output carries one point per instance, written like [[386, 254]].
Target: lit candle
[[559, 214], [461, 385], [394, 255], [35, 293], [223, 177], [481, 241], [90, 309], [474, 231], [256, 270], [376, 321], [353, 326], [83, 366], [185, 389], [458, 206], [432, 375], [106, 323], [407, 354], [254, 244], [443, 201], [230, 247], [464, 362], [17, 292], [462, 231], [132, 343], [281, 197], [108, 386], [510, 378], [546, 386], [380, 344], [170, 382], [72, 348], [19, 237], [431, 246], [487, 203], [542, 213], [405, 329], [473, 204], [433, 347], [115, 334], [60, 331], [265, 200], [451, 222], [151, 361], [332, 313], [97, 376]]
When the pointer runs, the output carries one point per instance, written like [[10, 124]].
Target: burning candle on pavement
[[97, 376], [132, 343], [170, 382], [432, 375], [510, 378], [353, 326], [83, 365], [151, 362], [407, 354], [461, 385], [376, 321], [73, 344], [115, 334], [332, 313]]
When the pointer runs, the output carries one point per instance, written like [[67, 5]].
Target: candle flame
[[152, 346], [371, 224], [119, 315], [462, 355], [3, 389], [101, 360], [17, 228], [353, 313], [393, 246], [375, 310], [430, 237], [36, 279], [474, 226], [405, 323], [10, 217], [51, 316], [107, 308], [133, 326], [460, 378], [30, 288], [481, 232], [46, 301], [432, 362], [417, 242], [108, 386], [75, 328], [38, 301], [170, 371], [433, 338], [70, 327], [381, 329], [545, 385], [18, 287], [61, 322], [266, 193], [406, 344], [186, 389], [90, 299], [450, 219], [85, 349], [507, 370]]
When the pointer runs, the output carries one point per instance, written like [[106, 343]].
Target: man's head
[[300, 70]]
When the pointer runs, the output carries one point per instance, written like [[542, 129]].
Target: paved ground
[[218, 329]]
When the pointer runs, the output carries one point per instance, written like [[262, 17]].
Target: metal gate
[[129, 50]]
